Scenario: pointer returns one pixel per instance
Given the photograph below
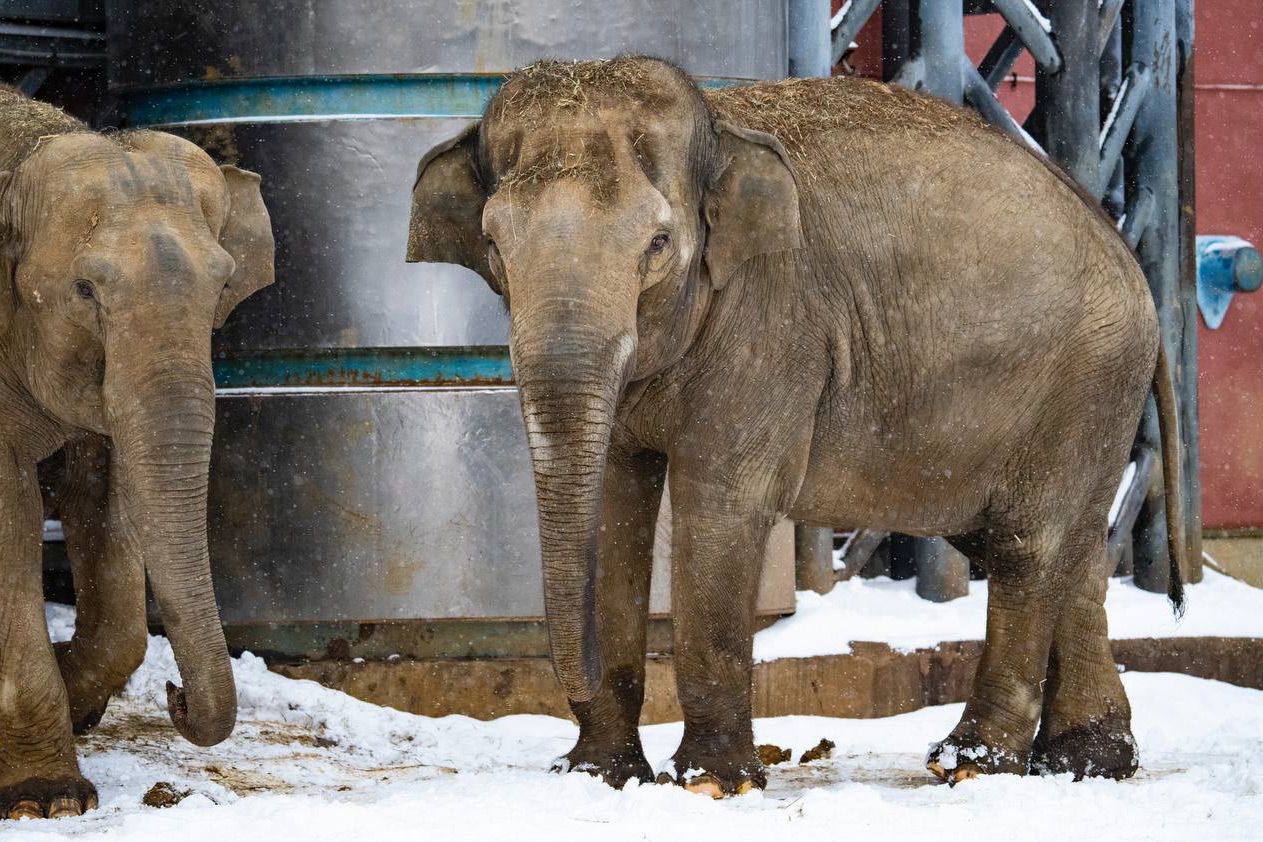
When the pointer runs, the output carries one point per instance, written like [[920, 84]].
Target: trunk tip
[[200, 731]]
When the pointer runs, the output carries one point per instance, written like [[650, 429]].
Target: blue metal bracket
[[1225, 265]]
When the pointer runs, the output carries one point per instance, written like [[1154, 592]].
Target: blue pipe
[[286, 99], [433, 366]]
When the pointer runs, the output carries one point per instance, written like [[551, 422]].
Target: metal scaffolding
[[1113, 108]]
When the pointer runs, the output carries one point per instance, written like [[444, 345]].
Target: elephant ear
[[247, 236], [752, 205], [447, 201]]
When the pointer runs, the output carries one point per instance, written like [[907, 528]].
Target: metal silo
[[370, 463]]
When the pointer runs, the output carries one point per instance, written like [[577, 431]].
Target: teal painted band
[[472, 366], [315, 97]]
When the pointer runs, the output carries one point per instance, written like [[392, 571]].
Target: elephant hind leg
[[1085, 728], [110, 626], [1031, 563]]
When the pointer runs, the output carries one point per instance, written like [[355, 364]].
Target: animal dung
[[770, 755], [163, 794], [822, 750]]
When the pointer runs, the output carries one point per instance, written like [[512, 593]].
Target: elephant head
[[610, 209], [120, 255]]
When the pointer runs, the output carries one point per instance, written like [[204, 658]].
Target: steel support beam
[[1069, 119], [1119, 122], [939, 35], [1138, 216], [1120, 531], [813, 559], [1032, 30], [1000, 59], [980, 95], [1114, 200], [810, 53], [846, 24], [1153, 161]]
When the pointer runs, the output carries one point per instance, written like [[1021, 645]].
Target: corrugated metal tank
[[370, 462]]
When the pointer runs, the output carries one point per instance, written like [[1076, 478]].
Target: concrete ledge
[[874, 680]]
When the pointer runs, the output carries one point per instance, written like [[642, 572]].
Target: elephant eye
[[493, 258], [84, 290], [659, 243]]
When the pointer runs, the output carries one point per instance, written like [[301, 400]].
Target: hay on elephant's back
[[797, 111]]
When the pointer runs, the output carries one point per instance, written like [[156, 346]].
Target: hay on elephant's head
[[547, 97], [580, 165], [550, 86], [25, 122]]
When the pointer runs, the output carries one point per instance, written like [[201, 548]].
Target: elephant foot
[[53, 798], [88, 700], [717, 776], [615, 767], [1098, 749], [962, 757]]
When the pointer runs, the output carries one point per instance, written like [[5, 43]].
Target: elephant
[[119, 254], [829, 299]]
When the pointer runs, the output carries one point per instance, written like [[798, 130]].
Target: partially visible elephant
[[119, 254], [830, 299]]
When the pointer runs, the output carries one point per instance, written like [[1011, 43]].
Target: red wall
[[1228, 45], [1229, 149]]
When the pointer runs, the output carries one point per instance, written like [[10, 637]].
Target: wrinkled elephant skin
[[119, 254], [829, 299]]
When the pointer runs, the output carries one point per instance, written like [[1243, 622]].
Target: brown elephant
[[829, 299], [119, 254]]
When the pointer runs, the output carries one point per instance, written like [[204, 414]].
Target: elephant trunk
[[162, 420], [570, 378]]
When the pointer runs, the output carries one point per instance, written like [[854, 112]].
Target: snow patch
[[888, 611], [312, 763]]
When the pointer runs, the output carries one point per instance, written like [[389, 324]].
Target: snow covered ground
[[881, 609], [311, 763]]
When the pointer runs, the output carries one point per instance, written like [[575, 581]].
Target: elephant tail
[[1172, 480]]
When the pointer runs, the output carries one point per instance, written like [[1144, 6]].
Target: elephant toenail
[[26, 809], [63, 807], [705, 785], [966, 773]]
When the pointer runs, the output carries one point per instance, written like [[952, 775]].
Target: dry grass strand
[[25, 122], [548, 85], [798, 111]]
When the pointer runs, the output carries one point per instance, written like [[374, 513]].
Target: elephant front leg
[[110, 625], [717, 560], [39, 774], [609, 734]]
